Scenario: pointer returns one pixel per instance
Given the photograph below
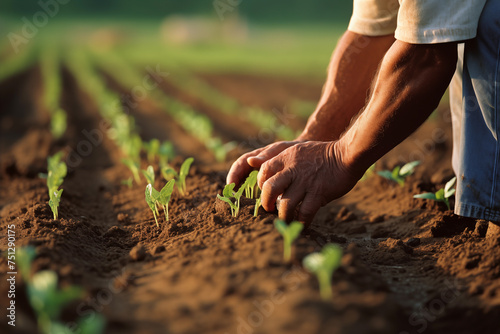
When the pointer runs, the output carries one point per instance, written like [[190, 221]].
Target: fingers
[[273, 187], [240, 168], [268, 170], [310, 205], [268, 153], [291, 198]]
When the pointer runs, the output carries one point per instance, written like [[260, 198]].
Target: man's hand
[[253, 160], [308, 175]]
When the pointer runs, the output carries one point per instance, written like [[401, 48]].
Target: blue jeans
[[475, 108]]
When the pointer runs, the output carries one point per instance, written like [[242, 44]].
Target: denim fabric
[[476, 120]]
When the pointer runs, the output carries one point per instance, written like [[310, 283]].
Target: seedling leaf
[[165, 195], [149, 174], [426, 196], [228, 190], [442, 195], [323, 265], [166, 153], [151, 201], [58, 123], [134, 168], [168, 173], [289, 233], [54, 201], [448, 190], [408, 168]]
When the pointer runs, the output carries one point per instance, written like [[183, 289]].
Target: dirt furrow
[[227, 126]]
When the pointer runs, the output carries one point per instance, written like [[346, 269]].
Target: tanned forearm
[[409, 86], [350, 74]]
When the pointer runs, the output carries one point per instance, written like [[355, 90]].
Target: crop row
[[195, 123]]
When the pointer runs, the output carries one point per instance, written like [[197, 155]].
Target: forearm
[[409, 86], [350, 73]]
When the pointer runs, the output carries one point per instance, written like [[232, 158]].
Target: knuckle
[[268, 187]]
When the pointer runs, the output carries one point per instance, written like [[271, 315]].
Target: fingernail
[[278, 201]]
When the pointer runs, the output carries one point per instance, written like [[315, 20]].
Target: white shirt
[[417, 21]]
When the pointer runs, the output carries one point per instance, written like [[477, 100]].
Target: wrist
[[347, 159]]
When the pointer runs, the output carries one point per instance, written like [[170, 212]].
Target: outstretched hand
[[307, 175]]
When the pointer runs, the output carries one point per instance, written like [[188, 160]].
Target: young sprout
[[58, 123], [229, 193], [251, 188], [54, 199], [57, 171], [323, 265], [369, 172], [48, 300], [152, 149], [164, 197], [166, 153], [151, 199], [442, 195], [257, 206], [128, 182], [134, 168], [219, 149], [131, 143], [180, 178], [399, 174], [149, 174], [289, 233]]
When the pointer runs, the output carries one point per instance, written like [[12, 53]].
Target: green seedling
[[219, 149], [166, 153], [128, 182], [442, 195], [48, 300], [152, 199], [57, 171], [399, 174], [134, 168], [369, 172], [290, 233], [323, 265], [251, 188], [131, 143], [228, 193], [152, 149], [257, 206], [58, 123], [164, 197], [180, 178], [54, 200], [149, 174]]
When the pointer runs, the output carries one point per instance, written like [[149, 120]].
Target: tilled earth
[[410, 266]]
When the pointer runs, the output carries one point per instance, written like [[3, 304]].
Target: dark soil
[[409, 265]]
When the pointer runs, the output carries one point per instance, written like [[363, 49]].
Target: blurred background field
[[286, 38]]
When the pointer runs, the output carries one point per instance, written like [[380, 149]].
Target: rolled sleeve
[[438, 21], [374, 17]]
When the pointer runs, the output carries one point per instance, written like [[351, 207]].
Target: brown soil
[[409, 266]]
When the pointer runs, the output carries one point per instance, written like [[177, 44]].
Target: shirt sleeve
[[438, 21], [374, 17]]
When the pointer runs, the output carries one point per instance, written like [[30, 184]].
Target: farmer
[[405, 53]]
